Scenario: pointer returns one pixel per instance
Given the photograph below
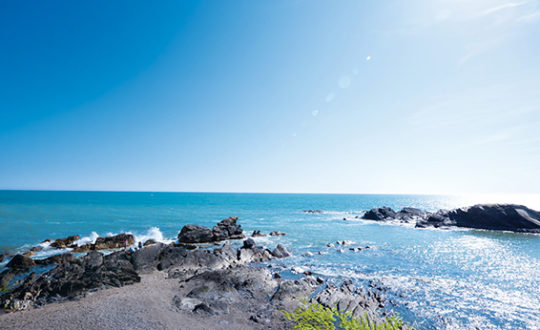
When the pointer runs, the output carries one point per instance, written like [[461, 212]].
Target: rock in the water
[[380, 214], [257, 233], [277, 233], [313, 211], [195, 234], [410, 214], [227, 229], [508, 217], [149, 242], [281, 252], [63, 243], [20, 262], [307, 254], [114, 242]]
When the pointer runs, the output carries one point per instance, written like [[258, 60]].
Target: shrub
[[314, 316]]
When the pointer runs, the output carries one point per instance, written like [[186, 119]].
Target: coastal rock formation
[[257, 233], [114, 242], [224, 230], [21, 262], [281, 251], [63, 243], [71, 279], [508, 217]]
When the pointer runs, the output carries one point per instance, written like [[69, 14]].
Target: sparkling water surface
[[453, 279]]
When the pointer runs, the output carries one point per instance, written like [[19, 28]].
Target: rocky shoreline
[[214, 282]]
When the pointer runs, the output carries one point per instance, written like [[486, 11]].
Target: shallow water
[[436, 278]]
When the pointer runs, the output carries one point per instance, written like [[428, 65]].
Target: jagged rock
[[408, 214], [36, 249], [170, 256], [148, 257], [56, 259], [195, 234], [20, 262], [63, 243], [257, 233], [380, 214], [508, 217], [281, 252], [277, 233], [114, 242], [83, 248], [29, 254], [227, 229]]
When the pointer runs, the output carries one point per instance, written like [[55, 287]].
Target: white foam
[[153, 233], [87, 239]]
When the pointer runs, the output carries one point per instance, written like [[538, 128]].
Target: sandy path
[[144, 305]]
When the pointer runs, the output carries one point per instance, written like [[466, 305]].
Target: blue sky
[[271, 96]]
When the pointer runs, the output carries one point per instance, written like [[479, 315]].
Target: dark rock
[[249, 243], [313, 211], [257, 233], [56, 259], [148, 257], [380, 214], [2, 256], [277, 233], [281, 252], [507, 217], [29, 254], [83, 248], [195, 234], [20, 262], [410, 214], [63, 243], [36, 248], [149, 242], [170, 256], [227, 229], [114, 242], [6, 277]]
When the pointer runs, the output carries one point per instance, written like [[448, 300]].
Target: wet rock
[[2, 257], [83, 248], [408, 214], [313, 211], [114, 242], [227, 229], [380, 214], [149, 242], [508, 217], [6, 277], [36, 249], [249, 243], [257, 233], [307, 254], [63, 243], [56, 259], [20, 262], [277, 233], [195, 234], [29, 254], [281, 251]]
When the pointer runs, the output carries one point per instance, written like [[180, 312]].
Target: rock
[[149, 242], [227, 229], [330, 245], [36, 249], [297, 270], [281, 252], [148, 257], [408, 214], [20, 262], [509, 217], [249, 243], [6, 277], [195, 234], [380, 214], [341, 251], [83, 248], [257, 233], [171, 256], [2, 257], [29, 254], [313, 211], [56, 259], [307, 254], [322, 253], [63, 243], [355, 249], [277, 233], [114, 242], [344, 243]]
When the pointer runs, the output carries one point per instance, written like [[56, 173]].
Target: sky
[[421, 96]]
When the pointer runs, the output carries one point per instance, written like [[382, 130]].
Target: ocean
[[450, 279]]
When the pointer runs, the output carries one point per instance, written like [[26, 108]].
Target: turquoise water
[[435, 278]]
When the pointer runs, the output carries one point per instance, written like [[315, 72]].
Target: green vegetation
[[314, 316]]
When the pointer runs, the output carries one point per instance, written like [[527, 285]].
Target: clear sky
[[422, 96]]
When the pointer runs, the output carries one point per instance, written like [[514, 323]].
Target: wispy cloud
[[501, 7]]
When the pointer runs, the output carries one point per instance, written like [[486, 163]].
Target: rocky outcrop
[[509, 217], [380, 214], [224, 230], [21, 262], [281, 251], [71, 279], [114, 242], [257, 233], [63, 243]]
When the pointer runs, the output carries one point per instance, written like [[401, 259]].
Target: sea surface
[[450, 279]]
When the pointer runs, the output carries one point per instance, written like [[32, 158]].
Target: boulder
[[82, 248], [56, 259], [257, 233], [148, 257], [281, 252], [277, 233], [63, 243], [195, 234], [410, 213], [113, 242], [248, 243], [20, 262], [149, 242], [227, 229], [380, 214]]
